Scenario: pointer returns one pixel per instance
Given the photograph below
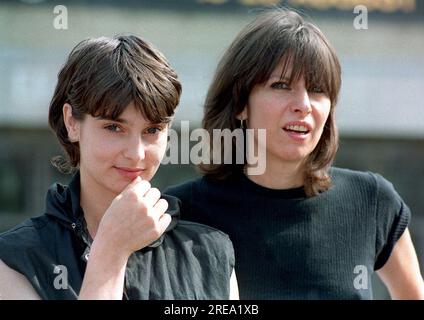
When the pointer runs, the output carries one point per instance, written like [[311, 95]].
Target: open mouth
[[299, 129]]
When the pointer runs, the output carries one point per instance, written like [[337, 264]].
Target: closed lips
[[130, 169]]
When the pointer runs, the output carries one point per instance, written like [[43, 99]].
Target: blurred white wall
[[383, 69]]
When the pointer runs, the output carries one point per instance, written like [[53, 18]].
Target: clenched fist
[[135, 218]]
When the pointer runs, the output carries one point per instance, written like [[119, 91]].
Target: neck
[[285, 175], [94, 202]]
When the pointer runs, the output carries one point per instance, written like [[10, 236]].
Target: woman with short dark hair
[[301, 229], [109, 234]]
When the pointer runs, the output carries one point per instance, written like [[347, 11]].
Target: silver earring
[[242, 123]]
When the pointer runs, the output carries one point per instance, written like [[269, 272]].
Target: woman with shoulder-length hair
[[109, 234], [301, 229]]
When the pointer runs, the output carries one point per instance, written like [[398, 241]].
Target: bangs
[[303, 52], [311, 57], [128, 75], [111, 103]]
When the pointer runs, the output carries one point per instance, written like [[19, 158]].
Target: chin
[[293, 155], [118, 187], [147, 176]]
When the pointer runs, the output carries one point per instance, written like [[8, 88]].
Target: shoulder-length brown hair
[[102, 77], [274, 36]]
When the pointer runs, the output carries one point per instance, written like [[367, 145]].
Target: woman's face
[[115, 152], [293, 117]]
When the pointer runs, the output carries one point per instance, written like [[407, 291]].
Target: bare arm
[[14, 285], [401, 273], [105, 274]]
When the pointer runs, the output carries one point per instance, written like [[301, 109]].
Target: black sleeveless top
[[189, 261]]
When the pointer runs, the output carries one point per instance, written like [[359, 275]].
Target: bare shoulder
[[14, 285]]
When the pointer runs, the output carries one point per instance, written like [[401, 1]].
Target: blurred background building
[[380, 112]]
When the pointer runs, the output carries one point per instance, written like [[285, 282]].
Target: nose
[[301, 103], [135, 149]]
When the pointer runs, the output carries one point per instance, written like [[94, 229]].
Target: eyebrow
[[274, 76], [123, 121], [120, 120]]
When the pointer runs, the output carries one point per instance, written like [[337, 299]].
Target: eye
[[113, 127], [280, 85], [153, 130], [316, 89]]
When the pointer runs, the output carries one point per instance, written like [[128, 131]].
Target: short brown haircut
[[102, 77], [275, 36]]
